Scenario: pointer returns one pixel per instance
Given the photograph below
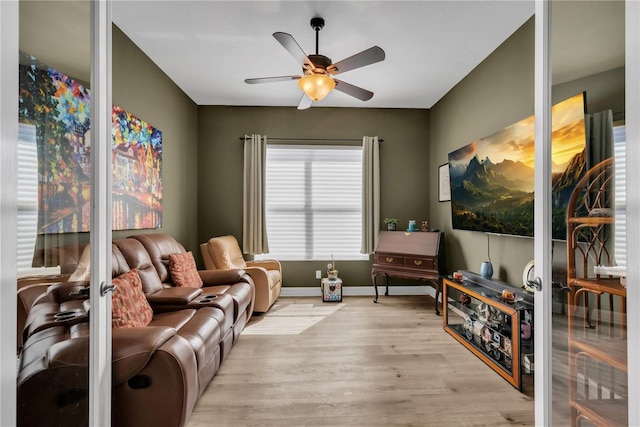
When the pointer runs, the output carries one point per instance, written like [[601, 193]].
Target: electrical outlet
[[318, 274]]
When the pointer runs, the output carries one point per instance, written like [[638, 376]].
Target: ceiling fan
[[318, 70]]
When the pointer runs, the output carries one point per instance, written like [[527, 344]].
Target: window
[[27, 216], [620, 221], [314, 202]]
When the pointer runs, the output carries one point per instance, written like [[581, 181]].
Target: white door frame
[[632, 125], [9, 62], [542, 214], [542, 244], [100, 340], [101, 107]]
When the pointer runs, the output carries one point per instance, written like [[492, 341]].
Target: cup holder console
[[207, 299], [65, 316]]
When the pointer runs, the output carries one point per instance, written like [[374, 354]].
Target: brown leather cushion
[[82, 271], [130, 308], [184, 271], [159, 246], [225, 253], [136, 256]]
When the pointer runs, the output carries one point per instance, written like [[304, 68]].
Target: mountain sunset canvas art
[[492, 178]]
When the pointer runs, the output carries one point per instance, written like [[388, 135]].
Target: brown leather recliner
[[30, 288], [159, 370], [222, 253]]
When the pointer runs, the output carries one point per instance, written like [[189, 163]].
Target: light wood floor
[[356, 363]]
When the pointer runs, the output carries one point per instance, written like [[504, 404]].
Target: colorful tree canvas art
[[137, 172], [54, 113]]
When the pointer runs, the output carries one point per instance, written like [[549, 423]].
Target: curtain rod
[[242, 138]]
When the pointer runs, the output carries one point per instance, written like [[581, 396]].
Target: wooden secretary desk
[[409, 255]]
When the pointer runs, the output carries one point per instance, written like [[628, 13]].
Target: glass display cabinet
[[498, 331]]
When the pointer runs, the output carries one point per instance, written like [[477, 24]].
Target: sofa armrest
[[68, 291], [68, 360], [133, 348], [267, 264], [41, 279], [222, 277], [26, 296], [264, 294], [175, 295]]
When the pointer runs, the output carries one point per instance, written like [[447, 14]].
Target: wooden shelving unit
[[596, 307]]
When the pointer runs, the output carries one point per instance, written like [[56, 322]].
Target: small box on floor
[[331, 290]]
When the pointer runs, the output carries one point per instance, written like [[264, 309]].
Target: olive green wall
[[498, 93], [604, 91], [202, 155], [143, 90], [404, 167]]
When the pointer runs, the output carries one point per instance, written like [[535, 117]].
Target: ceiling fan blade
[[305, 102], [366, 57], [291, 45], [355, 91], [271, 79]]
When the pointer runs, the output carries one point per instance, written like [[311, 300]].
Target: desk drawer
[[421, 263], [388, 259]]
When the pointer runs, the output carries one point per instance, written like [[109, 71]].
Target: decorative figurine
[[332, 271], [425, 226]]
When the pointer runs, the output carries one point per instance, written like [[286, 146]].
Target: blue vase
[[486, 269]]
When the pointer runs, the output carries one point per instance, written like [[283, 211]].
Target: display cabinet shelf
[[612, 351], [496, 331], [601, 413]]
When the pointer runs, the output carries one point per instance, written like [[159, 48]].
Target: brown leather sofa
[[223, 252], [159, 370]]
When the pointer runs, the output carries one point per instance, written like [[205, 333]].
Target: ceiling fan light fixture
[[316, 86]]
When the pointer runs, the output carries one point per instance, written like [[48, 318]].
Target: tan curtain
[[370, 193], [598, 129], [599, 136], [254, 229]]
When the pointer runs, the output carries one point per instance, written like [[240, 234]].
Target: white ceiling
[[208, 48]]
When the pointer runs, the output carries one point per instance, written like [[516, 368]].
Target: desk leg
[[438, 293], [375, 286]]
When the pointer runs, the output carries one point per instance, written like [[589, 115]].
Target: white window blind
[[27, 216], [620, 220], [313, 202]]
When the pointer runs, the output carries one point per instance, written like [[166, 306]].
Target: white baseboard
[[360, 291]]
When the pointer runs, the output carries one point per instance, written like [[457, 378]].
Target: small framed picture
[[444, 186]]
